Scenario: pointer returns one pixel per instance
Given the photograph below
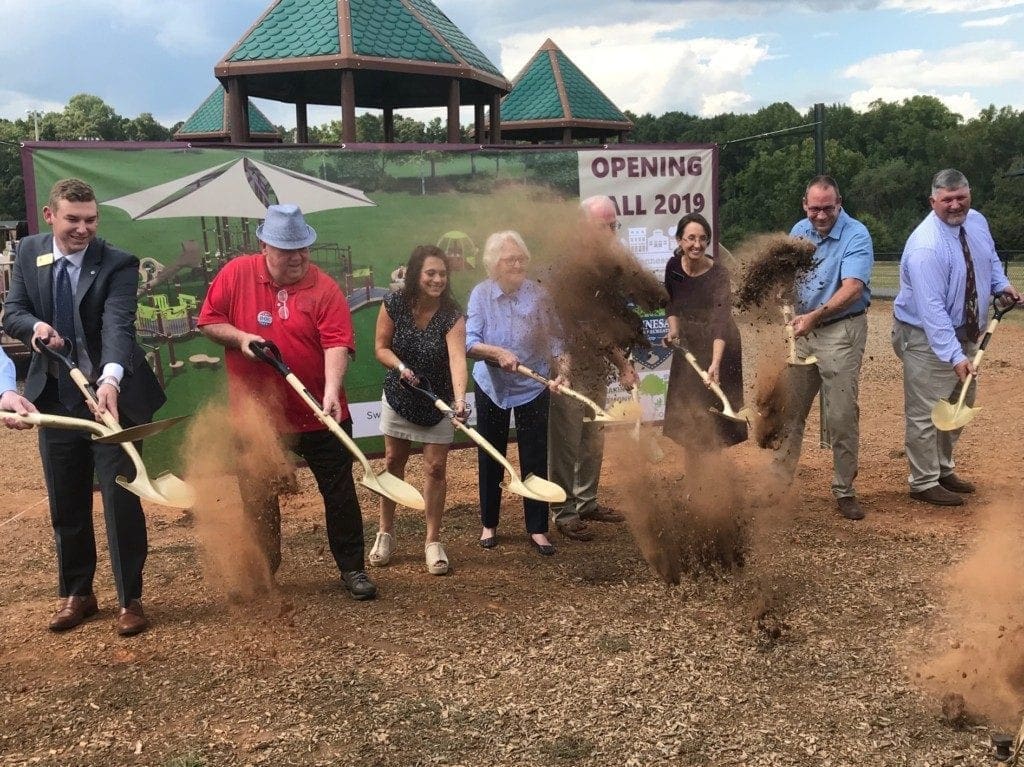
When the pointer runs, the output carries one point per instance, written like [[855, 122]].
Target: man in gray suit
[[72, 285]]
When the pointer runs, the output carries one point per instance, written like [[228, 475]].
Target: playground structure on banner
[[164, 319]]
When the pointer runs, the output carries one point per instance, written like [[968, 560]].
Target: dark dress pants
[[70, 460], [532, 436], [331, 465]]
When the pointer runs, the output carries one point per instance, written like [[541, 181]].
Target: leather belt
[[826, 323]]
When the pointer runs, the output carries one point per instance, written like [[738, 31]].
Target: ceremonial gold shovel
[[951, 414], [101, 433], [383, 483], [744, 415], [166, 489], [537, 488], [787, 316], [600, 414]]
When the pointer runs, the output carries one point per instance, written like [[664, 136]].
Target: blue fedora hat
[[285, 228]]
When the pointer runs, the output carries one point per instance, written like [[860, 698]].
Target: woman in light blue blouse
[[508, 324]]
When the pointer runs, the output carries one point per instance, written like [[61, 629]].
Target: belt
[[833, 321]]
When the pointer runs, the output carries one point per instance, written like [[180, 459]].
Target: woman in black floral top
[[421, 332]]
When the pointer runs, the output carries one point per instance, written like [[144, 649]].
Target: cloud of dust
[[982, 659], [686, 513], [223, 441]]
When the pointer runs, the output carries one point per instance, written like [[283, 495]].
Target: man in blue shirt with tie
[[948, 273], [830, 324]]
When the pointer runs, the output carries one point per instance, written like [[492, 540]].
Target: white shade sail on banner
[[240, 188]]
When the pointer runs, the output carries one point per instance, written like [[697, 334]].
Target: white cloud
[[993, 21], [684, 70], [726, 101], [988, 62], [943, 6], [15, 105], [963, 104]]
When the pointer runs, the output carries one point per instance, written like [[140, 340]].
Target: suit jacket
[[105, 318]]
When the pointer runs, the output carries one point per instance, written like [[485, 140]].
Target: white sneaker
[[380, 554]]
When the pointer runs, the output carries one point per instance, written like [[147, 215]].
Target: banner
[[651, 192], [185, 210]]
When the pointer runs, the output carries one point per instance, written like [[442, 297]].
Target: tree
[[88, 117]]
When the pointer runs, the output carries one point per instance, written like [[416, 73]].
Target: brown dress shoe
[[74, 611], [132, 620], [576, 529], [937, 495], [954, 484], [602, 514]]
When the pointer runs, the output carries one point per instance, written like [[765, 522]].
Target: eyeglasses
[[514, 260], [614, 225], [282, 304], [828, 210]]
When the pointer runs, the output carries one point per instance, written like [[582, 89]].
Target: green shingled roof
[[586, 101], [209, 118], [534, 96], [291, 29], [414, 30], [552, 87], [462, 44], [386, 28]]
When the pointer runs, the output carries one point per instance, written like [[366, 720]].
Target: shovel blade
[[394, 489], [167, 490], [948, 416], [136, 433], [536, 488]]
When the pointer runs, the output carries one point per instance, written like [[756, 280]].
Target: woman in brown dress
[[700, 319]]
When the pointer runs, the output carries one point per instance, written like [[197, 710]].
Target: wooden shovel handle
[[333, 426], [562, 389]]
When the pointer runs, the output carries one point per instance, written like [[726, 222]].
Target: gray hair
[[950, 178], [590, 205], [494, 243]]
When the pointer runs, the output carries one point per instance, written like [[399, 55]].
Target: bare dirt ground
[[835, 644]]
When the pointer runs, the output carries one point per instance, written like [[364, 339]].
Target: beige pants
[[926, 380], [575, 452], [839, 348]]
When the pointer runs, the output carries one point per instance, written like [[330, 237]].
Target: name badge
[[44, 260]]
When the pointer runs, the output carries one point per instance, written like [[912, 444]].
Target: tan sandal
[[380, 554], [437, 560]]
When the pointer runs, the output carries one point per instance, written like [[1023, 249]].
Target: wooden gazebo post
[[454, 133], [496, 119], [236, 109], [348, 106], [301, 124]]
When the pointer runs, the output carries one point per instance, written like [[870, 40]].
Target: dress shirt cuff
[[112, 370]]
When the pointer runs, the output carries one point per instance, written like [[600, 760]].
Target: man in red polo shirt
[[278, 295]]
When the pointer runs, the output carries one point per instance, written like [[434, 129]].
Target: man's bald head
[[599, 212]]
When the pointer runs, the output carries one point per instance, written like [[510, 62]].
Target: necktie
[[64, 323], [970, 293]]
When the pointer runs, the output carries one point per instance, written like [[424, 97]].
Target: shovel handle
[[562, 389], [267, 351]]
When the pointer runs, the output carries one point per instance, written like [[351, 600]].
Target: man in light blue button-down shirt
[[831, 325], [929, 331]]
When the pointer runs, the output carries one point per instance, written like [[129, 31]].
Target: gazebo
[[552, 100], [377, 54], [209, 123]]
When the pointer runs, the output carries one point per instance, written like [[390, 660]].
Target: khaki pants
[[575, 452], [926, 380], [839, 348]]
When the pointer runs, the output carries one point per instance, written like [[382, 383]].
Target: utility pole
[[34, 114]]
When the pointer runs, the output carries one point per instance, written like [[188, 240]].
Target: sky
[[703, 57]]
